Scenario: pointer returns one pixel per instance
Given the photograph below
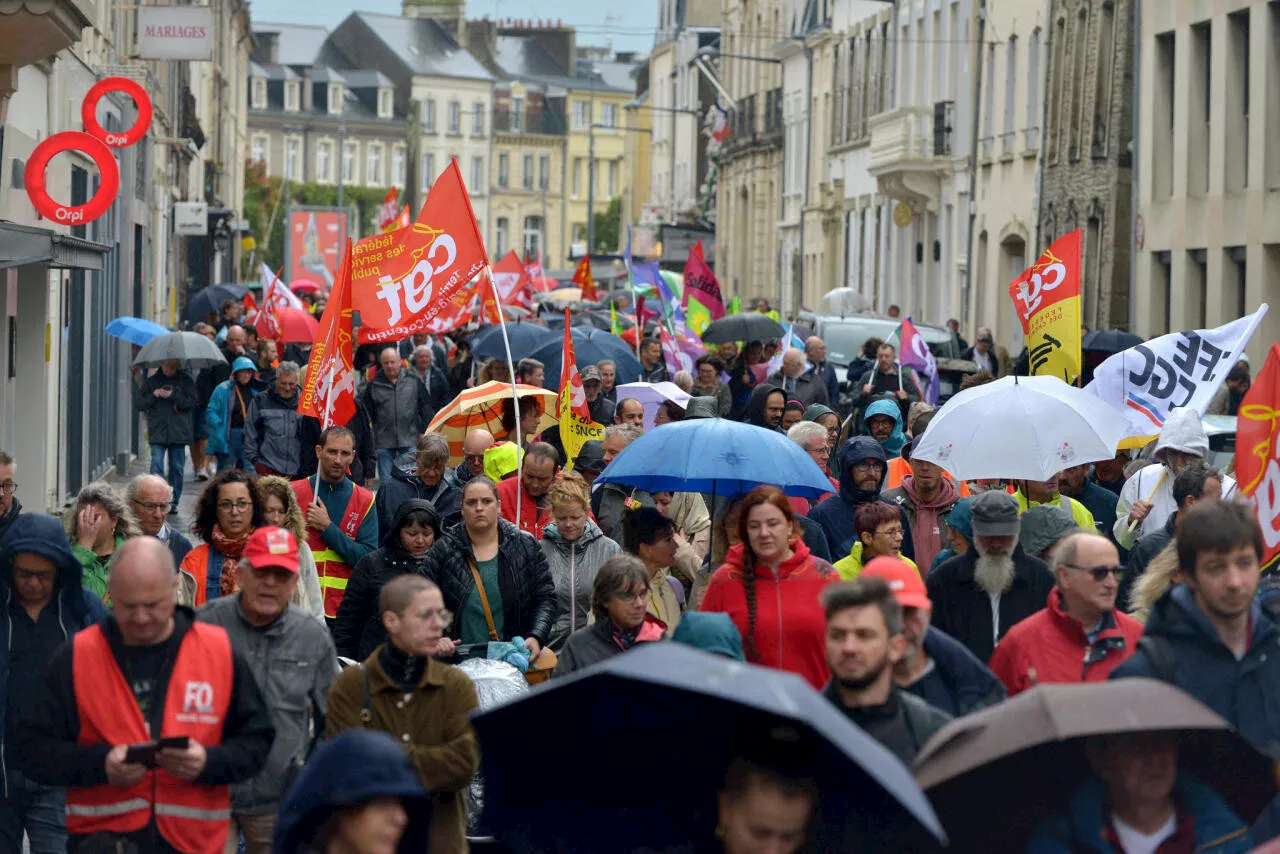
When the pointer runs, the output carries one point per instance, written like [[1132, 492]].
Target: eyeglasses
[[156, 508], [824, 451], [868, 465], [444, 616], [31, 575], [236, 506], [8, 487], [628, 598], [896, 533], [1099, 573]]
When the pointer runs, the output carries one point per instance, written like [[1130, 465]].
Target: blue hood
[[884, 406], [710, 632], [36, 533], [855, 450], [354, 768], [243, 363]]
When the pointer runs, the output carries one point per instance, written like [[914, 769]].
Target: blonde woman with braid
[[769, 585]]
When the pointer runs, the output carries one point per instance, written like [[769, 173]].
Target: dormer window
[[384, 103], [291, 96], [335, 99], [258, 94]]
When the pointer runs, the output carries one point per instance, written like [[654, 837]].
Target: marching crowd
[[171, 688]]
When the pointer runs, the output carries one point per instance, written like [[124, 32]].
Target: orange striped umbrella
[[480, 408]]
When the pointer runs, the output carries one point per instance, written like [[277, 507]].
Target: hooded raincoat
[[884, 406], [925, 515], [756, 404], [573, 568], [835, 517]]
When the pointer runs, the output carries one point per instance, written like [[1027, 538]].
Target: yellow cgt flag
[[1047, 299], [576, 426]]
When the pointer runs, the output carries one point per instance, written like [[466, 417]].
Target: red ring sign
[[89, 111], [108, 172]]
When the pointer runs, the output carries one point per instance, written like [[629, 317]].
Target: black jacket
[[968, 684], [1144, 551], [49, 754], [365, 463], [835, 515], [528, 591], [209, 378], [902, 725], [169, 420], [358, 630], [444, 496], [273, 434], [754, 413], [962, 609], [10, 516]]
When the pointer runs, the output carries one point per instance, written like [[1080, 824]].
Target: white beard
[[994, 573]]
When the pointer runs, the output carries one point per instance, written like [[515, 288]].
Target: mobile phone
[[142, 754], [177, 742]]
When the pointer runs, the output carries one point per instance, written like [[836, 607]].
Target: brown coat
[[434, 726]]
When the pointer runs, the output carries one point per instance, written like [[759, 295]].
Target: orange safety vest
[[193, 818], [334, 572]]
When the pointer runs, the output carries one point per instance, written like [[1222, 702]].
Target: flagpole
[[515, 394]]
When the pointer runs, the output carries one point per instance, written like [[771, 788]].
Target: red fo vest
[[334, 572], [191, 817]]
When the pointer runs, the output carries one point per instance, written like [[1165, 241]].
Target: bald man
[[182, 679], [797, 381], [815, 350], [473, 447], [150, 496]]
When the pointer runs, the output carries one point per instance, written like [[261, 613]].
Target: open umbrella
[[297, 326], [716, 456], [627, 779], [135, 330], [306, 286], [192, 349], [590, 345], [1109, 341], [524, 338], [1026, 754], [743, 326], [845, 301], [560, 296], [209, 300], [1024, 428], [652, 395], [481, 408]]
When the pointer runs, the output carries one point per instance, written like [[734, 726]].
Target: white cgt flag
[[275, 291], [1181, 369]]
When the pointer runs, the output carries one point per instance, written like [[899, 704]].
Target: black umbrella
[[744, 326], [209, 300], [524, 338], [651, 735], [1109, 341]]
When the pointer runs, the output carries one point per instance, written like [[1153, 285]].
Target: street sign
[[191, 219], [175, 32]]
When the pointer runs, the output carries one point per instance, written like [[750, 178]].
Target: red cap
[[272, 547], [903, 579]]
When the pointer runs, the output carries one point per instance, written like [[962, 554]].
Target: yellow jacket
[[1083, 518], [851, 567]]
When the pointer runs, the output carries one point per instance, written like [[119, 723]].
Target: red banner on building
[[1257, 453]]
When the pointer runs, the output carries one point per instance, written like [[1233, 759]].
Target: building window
[[577, 177], [384, 103], [429, 116], [373, 165], [527, 178], [504, 165], [259, 88], [1010, 93], [428, 171], [581, 114], [544, 171], [1102, 91], [989, 108], [517, 114], [532, 236], [292, 158], [291, 96], [397, 165], [613, 178], [477, 118], [349, 154], [609, 115], [500, 229], [258, 151], [324, 161], [477, 175], [335, 99], [455, 118], [1033, 89], [1199, 94], [1238, 93], [1077, 83], [1055, 115]]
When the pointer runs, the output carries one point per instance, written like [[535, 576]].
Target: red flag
[[512, 281], [533, 266], [387, 213], [570, 381], [1258, 453], [582, 278], [330, 391], [420, 278], [700, 283], [250, 307], [643, 315], [487, 310], [403, 220]]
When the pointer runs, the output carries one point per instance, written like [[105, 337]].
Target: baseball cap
[[903, 579], [995, 514], [591, 372], [272, 547], [590, 458]]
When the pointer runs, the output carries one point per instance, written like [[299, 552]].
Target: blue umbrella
[[717, 456], [135, 330], [590, 345], [524, 338], [671, 765]]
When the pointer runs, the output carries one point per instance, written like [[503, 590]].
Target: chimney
[[481, 40], [266, 50]]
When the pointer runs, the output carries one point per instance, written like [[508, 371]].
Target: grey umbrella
[[192, 349]]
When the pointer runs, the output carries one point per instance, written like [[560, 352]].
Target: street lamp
[[591, 175]]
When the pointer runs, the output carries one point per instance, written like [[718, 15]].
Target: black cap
[[995, 514], [591, 458]]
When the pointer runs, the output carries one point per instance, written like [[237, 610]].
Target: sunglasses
[[1099, 573]]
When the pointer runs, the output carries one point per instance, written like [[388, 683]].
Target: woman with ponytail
[[769, 586]]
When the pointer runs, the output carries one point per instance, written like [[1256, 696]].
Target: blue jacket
[[970, 685], [835, 517], [217, 415], [1081, 830], [1244, 692], [36, 533], [884, 406]]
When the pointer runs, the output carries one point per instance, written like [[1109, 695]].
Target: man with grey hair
[[815, 350], [610, 500], [984, 353], [979, 595], [420, 474], [422, 366], [273, 427], [796, 381], [1080, 636], [813, 437], [150, 495], [397, 403]]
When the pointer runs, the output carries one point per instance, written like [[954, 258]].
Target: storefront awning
[[21, 245]]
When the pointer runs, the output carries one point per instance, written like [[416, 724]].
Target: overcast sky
[[630, 22]]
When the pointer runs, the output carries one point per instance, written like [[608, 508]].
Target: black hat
[[591, 458]]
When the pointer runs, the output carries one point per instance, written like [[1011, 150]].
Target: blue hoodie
[[835, 517], [710, 632], [76, 608], [965, 682], [885, 406]]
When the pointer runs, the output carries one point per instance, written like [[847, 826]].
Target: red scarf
[[230, 549]]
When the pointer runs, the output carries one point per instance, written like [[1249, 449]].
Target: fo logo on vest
[[197, 704]]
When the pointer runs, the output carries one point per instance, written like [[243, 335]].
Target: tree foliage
[[608, 228]]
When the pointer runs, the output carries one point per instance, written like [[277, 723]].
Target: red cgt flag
[[387, 213], [582, 278], [511, 278], [419, 279], [1257, 453], [330, 391], [487, 310]]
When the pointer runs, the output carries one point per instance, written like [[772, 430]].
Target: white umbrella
[[651, 396], [845, 301], [1020, 428]]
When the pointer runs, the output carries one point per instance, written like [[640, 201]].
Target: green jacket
[[95, 568]]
